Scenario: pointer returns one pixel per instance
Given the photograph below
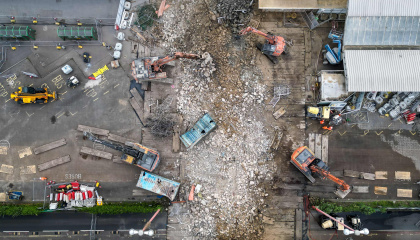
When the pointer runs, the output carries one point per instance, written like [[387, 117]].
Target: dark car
[[86, 57]]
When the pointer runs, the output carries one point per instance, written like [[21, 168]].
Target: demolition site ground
[[250, 190]]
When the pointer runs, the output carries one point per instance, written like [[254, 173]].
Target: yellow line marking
[[43, 106], [412, 133], [85, 106], [365, 132], [63, 93], [29, 115], [8, 100], [363, 118], [53, 100], [399, 132], [325, 132], [60, 115], [389, 125], [95, 99], [86, 90], [72, 113], [379, 133], [400, 120], [31, 85], [116, 85], [341, 134], [106, 92], [354, 125]]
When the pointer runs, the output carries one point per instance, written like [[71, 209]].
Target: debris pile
[[236, 13], [231, 162], [161, 122]]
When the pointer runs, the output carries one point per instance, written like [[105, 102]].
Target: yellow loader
[[32, 95]]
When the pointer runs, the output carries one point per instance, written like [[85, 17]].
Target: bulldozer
[[26, 95]]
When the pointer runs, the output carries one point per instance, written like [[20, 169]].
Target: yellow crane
[[32, 95]]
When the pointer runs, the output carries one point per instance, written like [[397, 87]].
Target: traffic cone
[[321, 122], [327, 128]]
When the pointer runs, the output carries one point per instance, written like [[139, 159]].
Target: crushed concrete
[[233, 161]]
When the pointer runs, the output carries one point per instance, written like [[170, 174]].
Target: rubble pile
[[231, 162], [235, 13]]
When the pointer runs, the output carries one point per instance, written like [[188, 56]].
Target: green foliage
[[146, 16], [120, 208], [364, 207], [15, 210]]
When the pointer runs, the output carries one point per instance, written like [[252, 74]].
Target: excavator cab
[[302, 158]]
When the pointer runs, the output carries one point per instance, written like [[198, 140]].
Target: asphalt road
[[72, 221]]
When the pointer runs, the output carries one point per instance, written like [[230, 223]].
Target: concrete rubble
[[232, 162]]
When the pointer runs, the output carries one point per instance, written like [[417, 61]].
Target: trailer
[[157, 184]]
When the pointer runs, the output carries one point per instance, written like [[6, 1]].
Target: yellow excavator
[[32, 95]]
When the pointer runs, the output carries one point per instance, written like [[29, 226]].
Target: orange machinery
[[149, 68], [304, 160], [274, 46]]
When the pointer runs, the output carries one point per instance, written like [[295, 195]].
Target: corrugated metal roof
[[382, 70], [382, 31], [383, 8]]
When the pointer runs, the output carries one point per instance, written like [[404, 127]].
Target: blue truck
[[202, 128]]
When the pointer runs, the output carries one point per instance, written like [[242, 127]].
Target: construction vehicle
[[274, 46], [133, 153], [72, 82], [355, 221], [304, 160], [333, 56], [150, 68], [32, 95], [318, 113]]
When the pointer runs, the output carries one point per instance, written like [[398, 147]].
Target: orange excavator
[[274, 46], [304, 160], [150, 68]]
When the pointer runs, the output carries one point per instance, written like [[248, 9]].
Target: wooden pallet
[[50, 146], [54, 163]]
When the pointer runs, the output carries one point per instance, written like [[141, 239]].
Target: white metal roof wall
[[382, 70], [383, 8]]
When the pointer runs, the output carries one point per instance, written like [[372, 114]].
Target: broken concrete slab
[[54, 163], [3, 150], [50, 146], [342, 194], [318, 146], [324, 150], [311, 142], [6, 169], [381, 190], [399, 175], [407, 193], [136, 96], [360, 189], [298, 224], [139, 111], [267, 220], [367, 176], [28, 170], [96, 153], [25, 152], [351, 173], [2, 197], [97, 131], [381, 174]]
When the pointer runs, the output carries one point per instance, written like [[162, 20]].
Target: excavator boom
[[160, 62], [326, 174], [269, 38]]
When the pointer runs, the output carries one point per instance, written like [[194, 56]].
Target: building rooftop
[[301, 4]]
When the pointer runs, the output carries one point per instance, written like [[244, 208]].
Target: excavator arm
[[326, 174], [269, 38], [160, 62]]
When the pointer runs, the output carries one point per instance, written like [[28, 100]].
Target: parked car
[[67, 69]]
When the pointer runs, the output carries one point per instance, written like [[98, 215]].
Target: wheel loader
[[32, 95]]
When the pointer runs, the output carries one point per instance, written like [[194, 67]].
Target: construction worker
[[322, 121], [327, 128]]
